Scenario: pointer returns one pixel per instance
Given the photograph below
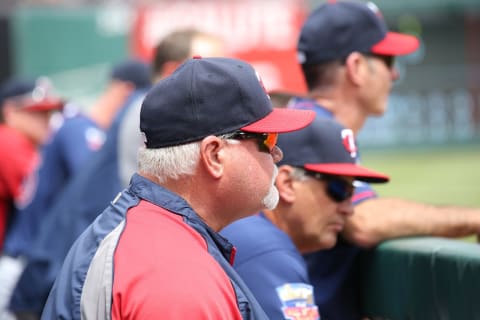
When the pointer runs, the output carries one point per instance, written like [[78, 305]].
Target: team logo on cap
[[348, 140], [372, 6], [261, 84]]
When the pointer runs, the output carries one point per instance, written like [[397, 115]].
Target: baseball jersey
[[19, 157], [334, 272], [83, 199], [273, 269], [61, 158], [150, 256]]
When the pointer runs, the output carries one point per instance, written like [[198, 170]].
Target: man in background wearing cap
[[26, 106], [209, 159], [315, 184], [347, 55], [71, 145], [106, 174]]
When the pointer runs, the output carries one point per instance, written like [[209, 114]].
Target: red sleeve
[[17, 160], [162, 270]]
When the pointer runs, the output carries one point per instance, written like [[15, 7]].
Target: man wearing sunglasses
[[316, 182], [209, 159], [346, 54]]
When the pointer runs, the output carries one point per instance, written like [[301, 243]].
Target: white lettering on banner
[[245, 25]]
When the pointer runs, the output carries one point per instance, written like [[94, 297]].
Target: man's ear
[[285, 184], [356, 68], [212, 155]]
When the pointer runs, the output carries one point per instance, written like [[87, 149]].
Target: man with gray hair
[[209, 159], [107, 173]]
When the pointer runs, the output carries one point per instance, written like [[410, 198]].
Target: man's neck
[[345, 110]]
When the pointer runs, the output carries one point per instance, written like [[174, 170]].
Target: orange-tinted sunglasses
[[266, 141]]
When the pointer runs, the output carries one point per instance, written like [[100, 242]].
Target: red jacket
[[18, 158]]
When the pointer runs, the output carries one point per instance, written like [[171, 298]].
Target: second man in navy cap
[[316, 185]]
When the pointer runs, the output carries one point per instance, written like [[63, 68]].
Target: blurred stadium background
[[429, 140]]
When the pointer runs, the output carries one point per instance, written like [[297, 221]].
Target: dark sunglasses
[[389, 61], [266, 141], [337, 189]]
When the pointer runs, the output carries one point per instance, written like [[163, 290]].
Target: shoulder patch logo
[[297, 301], [95, 138]]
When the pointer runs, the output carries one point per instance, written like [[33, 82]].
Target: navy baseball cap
[[212, 96], [134, 71], [325, 147], [338, 28], [35, 95]]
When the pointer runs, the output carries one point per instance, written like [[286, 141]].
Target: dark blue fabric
[[62, 158], [334, 273], [83, 199], [337, 28], [64, 300], [134, 71], [266, 259], [15, 87]]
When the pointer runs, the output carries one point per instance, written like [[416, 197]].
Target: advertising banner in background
[[263, 33], [435, 101]]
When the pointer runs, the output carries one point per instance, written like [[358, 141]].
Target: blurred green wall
[[436, 101], [75, 47]]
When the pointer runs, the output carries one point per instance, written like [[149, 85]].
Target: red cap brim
[[396, 44], [348, 170], [282, 120], [49, 104]]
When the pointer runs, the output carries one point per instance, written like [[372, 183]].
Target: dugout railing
[[422, 278]]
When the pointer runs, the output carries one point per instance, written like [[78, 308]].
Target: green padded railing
[[422, 279]]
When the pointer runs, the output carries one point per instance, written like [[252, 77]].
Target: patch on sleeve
[[95, 138], [298, 301]]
